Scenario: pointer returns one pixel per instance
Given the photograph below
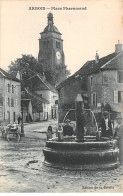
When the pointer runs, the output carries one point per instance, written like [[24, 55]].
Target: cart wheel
[[13, 137]]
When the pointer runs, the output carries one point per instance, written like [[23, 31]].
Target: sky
[[84, 31]]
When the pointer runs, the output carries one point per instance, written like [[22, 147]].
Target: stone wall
[[96, 87], [108, 90], [51, 97], [15, 109], [104, 85]]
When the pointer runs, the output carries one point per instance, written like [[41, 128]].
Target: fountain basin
[[87, 155]]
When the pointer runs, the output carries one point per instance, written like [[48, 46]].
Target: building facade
[[100, 82], [48, 94], [51, 54], [34, 107], [10, 98], [105, 88]]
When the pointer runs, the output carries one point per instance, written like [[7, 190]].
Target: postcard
[[61, 96]]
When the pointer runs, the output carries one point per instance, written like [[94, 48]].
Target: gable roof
[[110, 62], [114, 64], [6, 75], [29, 94], [36, 102], [47, 85]]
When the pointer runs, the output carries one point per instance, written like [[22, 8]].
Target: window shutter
[[115, 96], [122, 96]]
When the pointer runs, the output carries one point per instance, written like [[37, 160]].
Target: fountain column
[[80, 120]]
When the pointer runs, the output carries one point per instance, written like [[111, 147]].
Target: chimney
[[97, 57], [118, 47]]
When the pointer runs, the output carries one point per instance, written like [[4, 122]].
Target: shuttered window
[[120, 76], [9, 88], [91, 80], [12, 89], [118, 96], [8, 102], [93, 99], [12, 102]]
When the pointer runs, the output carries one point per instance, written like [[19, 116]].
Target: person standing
[[119, 135], [49, 133], [60, 133], [19, 120], [67, 129], [106, 126]]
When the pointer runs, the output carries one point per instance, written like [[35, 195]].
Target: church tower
[[51, 54]]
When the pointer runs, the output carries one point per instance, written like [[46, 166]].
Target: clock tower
[[51, 54]]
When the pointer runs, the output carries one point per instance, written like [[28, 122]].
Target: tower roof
[[50, 15], [50, 27]]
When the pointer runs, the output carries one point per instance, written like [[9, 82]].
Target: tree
[[57, 74], [27, 66]]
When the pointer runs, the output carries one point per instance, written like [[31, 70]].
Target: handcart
[[12, 133]]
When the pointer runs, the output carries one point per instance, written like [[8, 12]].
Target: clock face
[[58, 55]]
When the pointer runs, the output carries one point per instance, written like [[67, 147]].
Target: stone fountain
[[81, 152]]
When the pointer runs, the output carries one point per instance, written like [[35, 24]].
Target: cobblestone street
[[22, 169]]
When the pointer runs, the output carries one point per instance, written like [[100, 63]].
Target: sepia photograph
[[61, 96]]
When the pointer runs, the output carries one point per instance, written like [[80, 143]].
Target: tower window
[[58, 45], [46, 44]]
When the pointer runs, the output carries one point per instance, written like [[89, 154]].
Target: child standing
[[49, 133]]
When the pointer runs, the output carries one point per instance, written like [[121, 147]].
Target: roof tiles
[[110, 62]]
